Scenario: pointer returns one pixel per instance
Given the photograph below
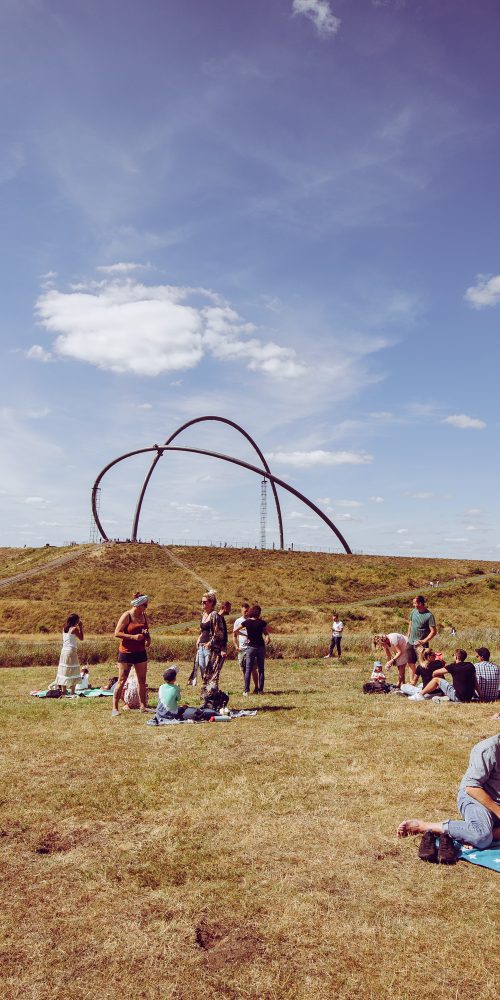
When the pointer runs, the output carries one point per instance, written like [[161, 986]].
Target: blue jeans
[[335, 644], [255, 657], [477, 824]]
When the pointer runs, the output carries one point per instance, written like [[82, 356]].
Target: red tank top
[[132, 645]]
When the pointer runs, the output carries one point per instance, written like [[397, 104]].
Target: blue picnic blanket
[[489, 858]]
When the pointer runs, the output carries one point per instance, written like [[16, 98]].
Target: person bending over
[[478, 803], [399, 643], [463, 681]]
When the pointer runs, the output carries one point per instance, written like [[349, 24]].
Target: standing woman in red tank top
[[133, 633]]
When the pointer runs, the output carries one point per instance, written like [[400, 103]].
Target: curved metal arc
[[121, 458], [190, 423], [271, 476], [224, 458]]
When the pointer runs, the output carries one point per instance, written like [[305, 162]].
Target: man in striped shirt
[[487, 676]]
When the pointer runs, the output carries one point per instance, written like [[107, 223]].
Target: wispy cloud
[[464, 422], [486, 291], [37, 353], [125, 326], [320, 13], [306, 459], [121, 268]]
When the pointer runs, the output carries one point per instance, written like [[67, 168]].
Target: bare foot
[[410, 827]]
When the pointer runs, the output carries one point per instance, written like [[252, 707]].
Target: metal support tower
[[263, 513], [94, 530]]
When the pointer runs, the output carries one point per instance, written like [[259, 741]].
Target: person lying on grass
[[463, 684], [478, 803]]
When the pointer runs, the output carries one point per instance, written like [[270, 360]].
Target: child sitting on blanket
[[168, 696], [84, 682], [377, 672]]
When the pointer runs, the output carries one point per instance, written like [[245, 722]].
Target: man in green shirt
[[421, 627]]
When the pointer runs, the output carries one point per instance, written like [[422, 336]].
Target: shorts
[[411, 653], [137, 657]]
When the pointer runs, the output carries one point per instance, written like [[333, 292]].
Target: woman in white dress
[[68, 672]]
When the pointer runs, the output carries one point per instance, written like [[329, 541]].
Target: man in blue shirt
[[478, 802]]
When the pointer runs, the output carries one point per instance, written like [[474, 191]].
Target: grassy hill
[[297, 591]]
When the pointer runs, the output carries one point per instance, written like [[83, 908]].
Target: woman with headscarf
[[133, 632]]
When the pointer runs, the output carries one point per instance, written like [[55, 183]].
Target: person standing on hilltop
[[335, 641], [421, 628], [133, 632]]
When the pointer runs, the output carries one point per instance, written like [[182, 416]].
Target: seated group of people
[[478, 681]]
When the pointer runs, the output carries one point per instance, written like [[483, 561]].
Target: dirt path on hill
[[46, 567], [187, 569]]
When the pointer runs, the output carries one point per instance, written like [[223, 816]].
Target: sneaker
[[328, 657], [114, 712], [245, 694], [428, 849], [416, 697], [440, 697], [447, 852]]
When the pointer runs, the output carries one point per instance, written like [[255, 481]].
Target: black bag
[[376, 687], [216, 701]]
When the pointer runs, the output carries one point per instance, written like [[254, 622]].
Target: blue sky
[[284, 212]]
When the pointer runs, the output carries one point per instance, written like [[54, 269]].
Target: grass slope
[[296, 589], [253, 860]]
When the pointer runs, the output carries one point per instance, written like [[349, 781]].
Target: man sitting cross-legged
[[487, 676], [478, 802], [463, 684]]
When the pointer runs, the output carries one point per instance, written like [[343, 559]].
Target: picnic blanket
[[89, 693], [95, 693], [489, 858], [190, 722]]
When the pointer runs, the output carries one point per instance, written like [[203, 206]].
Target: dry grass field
[[253, 859], [250, 860]]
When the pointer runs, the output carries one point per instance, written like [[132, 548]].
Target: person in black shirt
[[258, 639], [463, 680]]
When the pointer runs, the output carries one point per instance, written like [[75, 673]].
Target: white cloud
[[455, 539], [143, 406], [347, 503], [376, 499], [125, 326], [463, 422], [305, 459], [486, 291], [402, 531], [320, 13], [121, 268], [37, 500], [419, 495], [37, 353]]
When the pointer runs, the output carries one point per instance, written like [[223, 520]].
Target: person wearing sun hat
[[133, 632]]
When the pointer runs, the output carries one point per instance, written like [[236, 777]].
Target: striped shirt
[[487, 680]]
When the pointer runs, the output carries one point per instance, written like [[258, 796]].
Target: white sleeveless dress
[[68, 671]]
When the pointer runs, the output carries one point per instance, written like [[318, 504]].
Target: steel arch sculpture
[[262, 472]]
